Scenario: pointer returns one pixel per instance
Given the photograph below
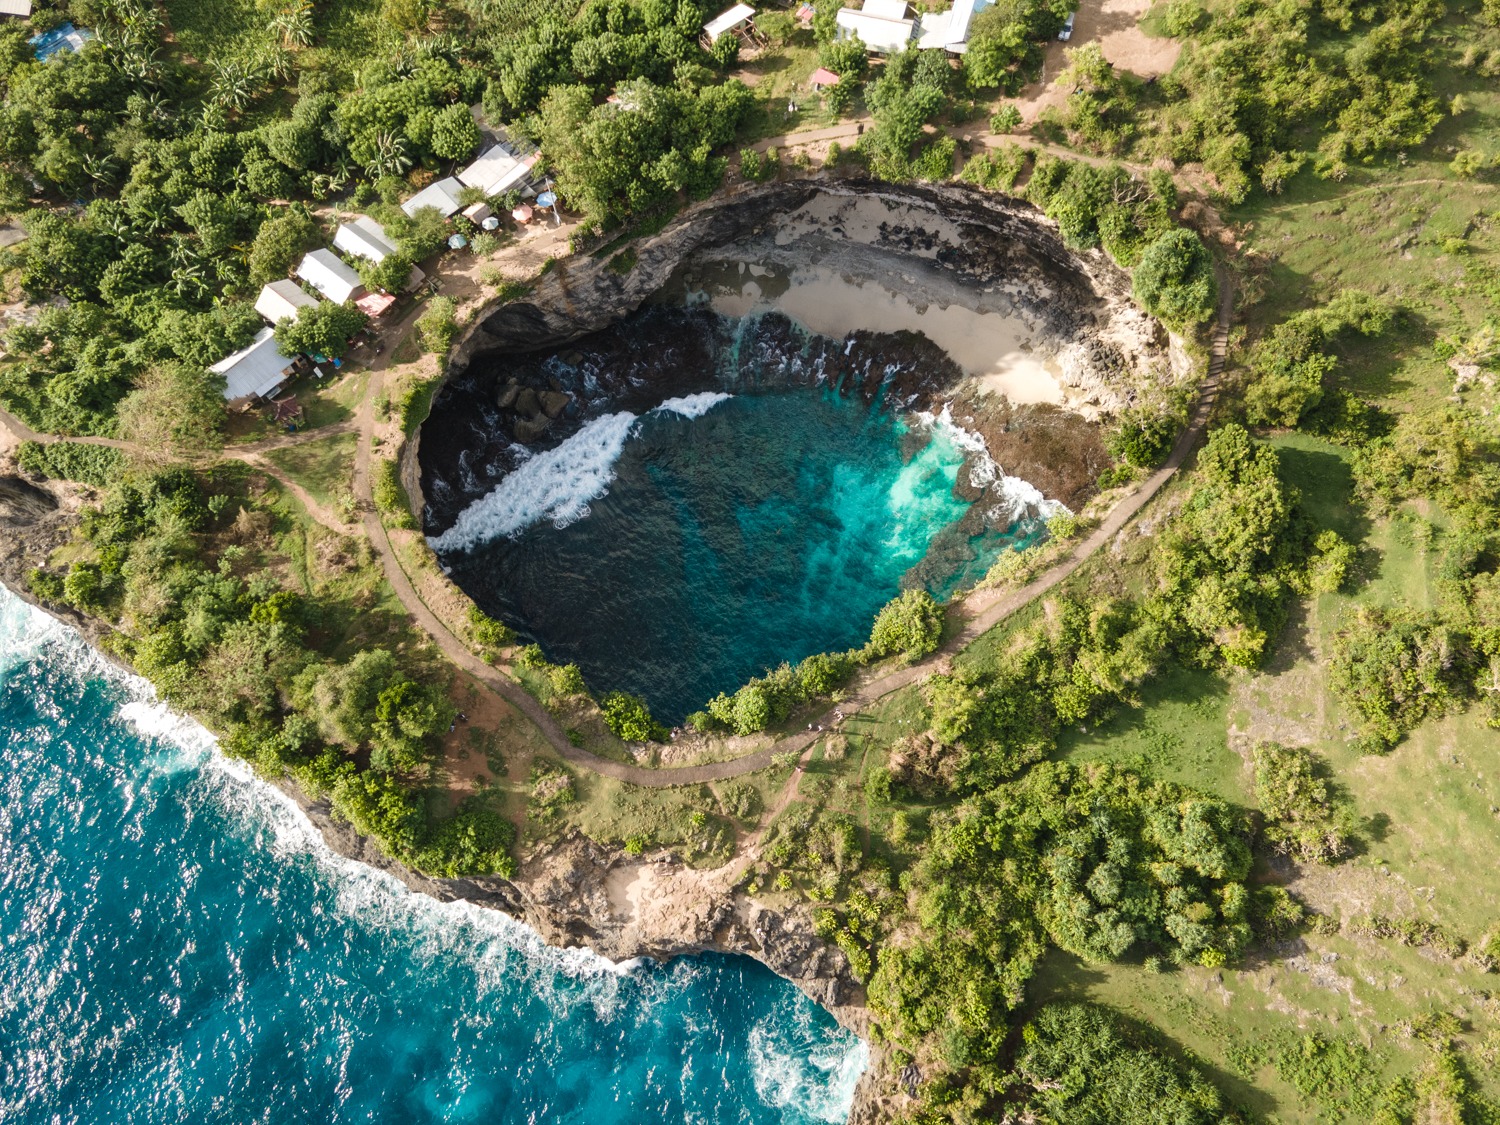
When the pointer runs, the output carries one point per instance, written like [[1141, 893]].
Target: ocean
[[178, 945], [677, 553]]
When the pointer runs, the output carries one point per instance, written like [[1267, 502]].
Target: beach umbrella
[[457, 242], [546, 199], [491, 223], [521, 214]]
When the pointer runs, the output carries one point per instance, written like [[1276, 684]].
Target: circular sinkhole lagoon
[[738, 492]]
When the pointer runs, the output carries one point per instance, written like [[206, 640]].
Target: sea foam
[[1017, 498], [695, 405], [558, 484], [555, 485]]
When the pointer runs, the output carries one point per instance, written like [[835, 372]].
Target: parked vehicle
[[1067, 28]]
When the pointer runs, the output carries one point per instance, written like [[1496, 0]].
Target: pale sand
[[992, 348]]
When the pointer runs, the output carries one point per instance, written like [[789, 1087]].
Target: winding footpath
[[979, 613]]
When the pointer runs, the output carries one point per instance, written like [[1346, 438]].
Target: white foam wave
[[819, 1080], [795, 1066], [559, 484], [555, 485], [1015, 498], [695, 405]]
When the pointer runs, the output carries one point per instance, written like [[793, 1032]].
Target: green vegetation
[[195, 573], [1127, 797], [98, 465]]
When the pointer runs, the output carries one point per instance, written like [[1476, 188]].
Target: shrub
[[1174, 280], [1392, 669], [741, 799], [438, 325], [1085, 1063], [629, 718], [997, 170], [1005, 119], [1303, 820], [909, 625], [98, 465], [389, 496], [489, 632]]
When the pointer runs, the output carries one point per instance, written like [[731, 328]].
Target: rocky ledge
[[581, 894]]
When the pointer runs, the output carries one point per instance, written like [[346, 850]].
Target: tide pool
[[678, 553], [176, 944]]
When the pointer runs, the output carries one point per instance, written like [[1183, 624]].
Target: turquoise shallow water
[[176, 946], [678, 553]]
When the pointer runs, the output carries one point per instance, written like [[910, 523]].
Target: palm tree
[[391, 157], [294, 25]]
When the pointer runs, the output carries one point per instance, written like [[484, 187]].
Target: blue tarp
[[64, 38]]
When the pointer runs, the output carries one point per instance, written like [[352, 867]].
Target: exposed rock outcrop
[[580, 893]]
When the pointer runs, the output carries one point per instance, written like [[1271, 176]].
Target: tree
[[629, 717], [454, 134], [389, 275], [1084, 1063], [321, 329], [1175, 280], [910, 624], [174, 411], [280, 244]]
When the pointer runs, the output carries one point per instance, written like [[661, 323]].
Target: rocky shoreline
[[527, 374], [576, 893]]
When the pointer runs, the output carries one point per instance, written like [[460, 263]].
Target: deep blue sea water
[[678, 553], [176, 945]]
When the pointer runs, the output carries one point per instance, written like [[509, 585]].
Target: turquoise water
[[176, 946], [678, 553]]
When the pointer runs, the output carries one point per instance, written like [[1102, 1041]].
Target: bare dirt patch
[[1115, 26]]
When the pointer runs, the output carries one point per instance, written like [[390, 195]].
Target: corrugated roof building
[[256, 371], [441, 196], [497, 171], [363, 237], [327, 273], [280, 300]]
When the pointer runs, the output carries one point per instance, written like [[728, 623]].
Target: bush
[[909, 625], [1085, 1063], [1005, 119], [488, 632], [389, 496], [1174, 280], [629, 718], [741, 800], [438, 325], [98, 465], [1303, 820], [1392, 669]]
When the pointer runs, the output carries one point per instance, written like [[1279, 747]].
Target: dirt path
[[982, 611]]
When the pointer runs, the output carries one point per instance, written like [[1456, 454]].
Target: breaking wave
[[183, 945], [558, 485]]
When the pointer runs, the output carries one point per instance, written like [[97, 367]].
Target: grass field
[[325, 467]]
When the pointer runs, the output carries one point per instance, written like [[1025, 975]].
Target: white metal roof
[[280, 300], [441, 196], [885, 9], [20, 8], [325, 272], [727, 21], [363, 237], [253, 371], [875, 32], [497, 171]]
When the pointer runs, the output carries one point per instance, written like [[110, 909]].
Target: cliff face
[[582, 894], [930, 296], [947, 243]]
